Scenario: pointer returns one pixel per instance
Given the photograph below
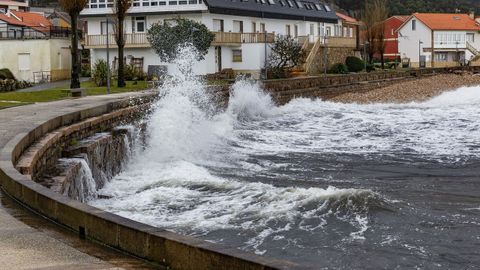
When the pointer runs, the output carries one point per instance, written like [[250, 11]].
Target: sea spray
[[175, 183]]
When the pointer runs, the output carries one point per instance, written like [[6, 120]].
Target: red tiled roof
[[447, 21], [347, 18], [402, 18], [32, 19], [12, 21]]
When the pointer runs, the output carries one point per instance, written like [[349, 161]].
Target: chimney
[[472, 15]]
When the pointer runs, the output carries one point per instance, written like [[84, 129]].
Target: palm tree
[[121, 8], [73, 8]]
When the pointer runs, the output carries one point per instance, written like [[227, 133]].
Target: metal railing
[[36, 33]]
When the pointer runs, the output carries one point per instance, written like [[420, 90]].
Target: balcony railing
[[228, 38], [134, 40], [139, 40], [346, 42]]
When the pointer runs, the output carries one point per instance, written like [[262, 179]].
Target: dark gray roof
[[308, 10]]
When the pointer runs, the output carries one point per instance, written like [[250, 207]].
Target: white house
[[442, 39], [32, 49], [243, 29]]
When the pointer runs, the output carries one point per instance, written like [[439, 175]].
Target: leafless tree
[[73, 8], [374, 16], [120, 10]]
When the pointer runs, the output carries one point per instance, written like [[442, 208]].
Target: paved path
[[45, 86], [24, 246]]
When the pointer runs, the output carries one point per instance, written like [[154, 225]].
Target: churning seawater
[[323, 184]]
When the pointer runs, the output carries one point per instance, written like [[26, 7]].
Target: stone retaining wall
[[327, 87], [143, 241]]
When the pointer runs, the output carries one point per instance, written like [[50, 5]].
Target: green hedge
[[354, 64], [12, 85], [339, 68], [6, 74]]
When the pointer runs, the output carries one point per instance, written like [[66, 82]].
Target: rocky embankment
[[412, 91]]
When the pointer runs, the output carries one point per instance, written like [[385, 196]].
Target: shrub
[[12, 85], [339, 68], [6, 74], [354, 64], [133, 73], [100, 70], [86, 70], [166, 38], [370, 68]]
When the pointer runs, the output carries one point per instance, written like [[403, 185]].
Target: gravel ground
[[416, 90]]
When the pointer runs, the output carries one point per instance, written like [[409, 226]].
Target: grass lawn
[[11, 99]]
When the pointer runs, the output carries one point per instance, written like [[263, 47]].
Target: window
[[471, 37], [328, 31], [103, 28], [441, 57], [288, 30], [295, 31], [254, 27], [23, 61], [236, 56], [138, 24], [312, 29], [218, 25], [414, 25], [238, 26], [262, 28]]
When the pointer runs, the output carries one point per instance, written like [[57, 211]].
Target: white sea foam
[[175, 183]]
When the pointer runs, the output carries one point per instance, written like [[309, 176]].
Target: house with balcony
[[440, 40], [243, 29]]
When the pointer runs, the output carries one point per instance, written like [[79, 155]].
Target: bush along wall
[[12, 85]]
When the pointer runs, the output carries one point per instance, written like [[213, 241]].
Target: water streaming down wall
[[89, 164]]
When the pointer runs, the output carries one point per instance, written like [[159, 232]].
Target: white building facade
[[443, 40], [243, 29]]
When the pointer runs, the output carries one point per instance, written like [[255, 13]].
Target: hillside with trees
[[407, 7]]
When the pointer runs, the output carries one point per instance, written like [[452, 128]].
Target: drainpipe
[[108, 60], [433, 50], [265, 47]]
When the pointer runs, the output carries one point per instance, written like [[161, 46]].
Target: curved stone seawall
[[24, 127]]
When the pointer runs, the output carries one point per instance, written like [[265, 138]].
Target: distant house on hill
[[6, 5], [441, 39]]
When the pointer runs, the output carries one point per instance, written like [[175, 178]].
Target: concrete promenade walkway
[[50, 85], [27, 244]]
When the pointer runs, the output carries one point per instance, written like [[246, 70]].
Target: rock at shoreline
[[416, 90]]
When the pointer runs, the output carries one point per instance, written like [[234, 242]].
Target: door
[[218, 59]]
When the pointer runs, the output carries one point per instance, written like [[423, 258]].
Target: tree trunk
[[121, 45], [382, 58], [75, 78]]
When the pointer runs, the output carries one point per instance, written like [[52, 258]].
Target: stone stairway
[[474, 51]]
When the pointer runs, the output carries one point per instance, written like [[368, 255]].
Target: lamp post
[[265, 65], [420, 53], [456, 52], [325, 55], [365, 54], [108, 58]]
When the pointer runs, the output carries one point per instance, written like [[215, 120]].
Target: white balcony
[[139, 40]]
